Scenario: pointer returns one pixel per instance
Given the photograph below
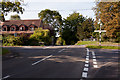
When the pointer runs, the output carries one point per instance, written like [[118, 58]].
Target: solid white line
[[42, 60], [95, 66], [86, 65], [84, 74], [61, 50], [85, 69], [5, 77], [94, 62]]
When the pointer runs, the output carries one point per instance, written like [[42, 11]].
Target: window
[[12, 29], [4, 29], [31, 29], [21, 29]]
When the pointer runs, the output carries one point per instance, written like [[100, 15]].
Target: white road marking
[[86, 61], [87, 49], [87, 58], [84, 74], [42, 60], [5, 77], [61, 50], [85, 69], [94, 62], [86, 65], [95, 66], [94, 57], [93, 53]]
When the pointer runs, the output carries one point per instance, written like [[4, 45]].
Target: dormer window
[[4, 29], [21, 29], [31, 29], [12, 29]]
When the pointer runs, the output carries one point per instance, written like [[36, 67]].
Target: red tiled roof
[[36, 22]]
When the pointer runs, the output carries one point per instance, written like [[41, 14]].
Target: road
[[61, 62]]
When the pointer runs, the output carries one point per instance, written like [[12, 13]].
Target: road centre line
[[84, 74], [42, 60], [5, 77], [94, 60], [95, 66], [85, 69], [86, 65]]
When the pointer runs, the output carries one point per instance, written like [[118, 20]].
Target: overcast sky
[[65, 7]]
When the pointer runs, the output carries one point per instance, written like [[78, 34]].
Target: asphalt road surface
[[61, 62]]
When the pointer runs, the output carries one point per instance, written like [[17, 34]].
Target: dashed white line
[[94, 57], [95, 66], [5, 77], [87, 58], [94, 62], [93, 53], [42, 60], [86, 61], [84, 74], [85, 69], [86, 65]]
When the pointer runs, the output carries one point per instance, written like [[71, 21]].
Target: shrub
[[60, 41]]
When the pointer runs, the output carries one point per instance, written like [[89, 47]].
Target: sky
[[64, 7]]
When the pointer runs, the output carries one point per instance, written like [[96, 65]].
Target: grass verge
[[103, 47]]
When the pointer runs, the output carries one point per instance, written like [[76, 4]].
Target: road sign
[[100, 31]]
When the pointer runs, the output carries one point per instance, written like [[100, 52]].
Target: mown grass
[[86, 42], [95, 45], [103, 47], [5, 51]]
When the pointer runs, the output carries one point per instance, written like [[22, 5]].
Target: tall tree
[[10, 6], [86, 29], [15, 17], [69, 33], [52, 18], [109, 15]]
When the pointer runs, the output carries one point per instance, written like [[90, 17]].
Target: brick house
[[23, 26]]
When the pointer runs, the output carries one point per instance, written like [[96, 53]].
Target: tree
[[51, 17], [86, 29], [69, 33], [40, 36], [10, 6], [109, 15], [15, 17]]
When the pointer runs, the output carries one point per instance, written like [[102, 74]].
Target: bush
[[60, 41]]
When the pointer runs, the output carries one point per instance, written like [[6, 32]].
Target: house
[[23, 26]]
